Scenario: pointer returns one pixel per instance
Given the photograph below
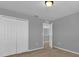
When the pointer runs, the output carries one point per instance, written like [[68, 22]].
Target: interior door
[[13, 36], [22, 36], [7, 37]]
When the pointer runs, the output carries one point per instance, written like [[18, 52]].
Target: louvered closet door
[[7, 37], [2, 39], [13, 36], [22, 36]]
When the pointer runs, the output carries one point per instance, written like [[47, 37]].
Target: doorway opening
[[48, 35]]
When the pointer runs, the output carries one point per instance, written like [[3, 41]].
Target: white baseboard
[[35, 49], [66, 50]]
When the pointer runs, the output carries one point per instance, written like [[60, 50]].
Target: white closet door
[[22, 36], [10, 38], [7, 37], [2, 40], [13, 36]]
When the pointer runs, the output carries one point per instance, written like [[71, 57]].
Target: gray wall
[[66, 32], [35, 27], [36, 33]]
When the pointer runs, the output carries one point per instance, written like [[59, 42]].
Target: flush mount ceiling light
[[49, 3]]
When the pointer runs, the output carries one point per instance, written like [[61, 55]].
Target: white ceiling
[[58, 10]]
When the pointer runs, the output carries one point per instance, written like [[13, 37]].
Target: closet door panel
[[10, 38], [7, 37], [13, 36], [2, 40], [22, 36]]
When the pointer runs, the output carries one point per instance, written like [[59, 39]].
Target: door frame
[[51, 36], [51, 25]]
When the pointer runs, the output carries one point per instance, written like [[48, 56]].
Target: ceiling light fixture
[[49, 3]]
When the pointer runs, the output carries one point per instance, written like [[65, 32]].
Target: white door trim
[[51, 35]]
